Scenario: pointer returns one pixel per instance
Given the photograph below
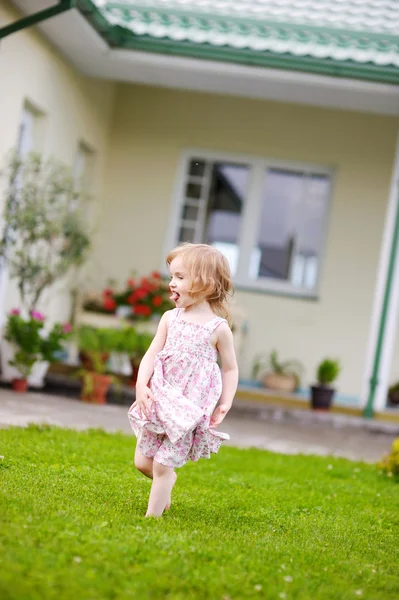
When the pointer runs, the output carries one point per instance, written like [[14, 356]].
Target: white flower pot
[[8, 373]]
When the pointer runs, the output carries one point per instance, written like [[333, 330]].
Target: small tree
[[44, 234]]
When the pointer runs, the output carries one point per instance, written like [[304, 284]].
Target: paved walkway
[[293, 432]]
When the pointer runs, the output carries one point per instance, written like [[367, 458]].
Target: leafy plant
[[328, 371], [143, 343], [97, 343], [271, 364], [29, 341], [44, 235]]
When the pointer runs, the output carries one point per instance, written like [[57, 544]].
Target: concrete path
[[294, 432]]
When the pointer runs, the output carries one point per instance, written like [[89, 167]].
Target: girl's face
[[180, 283]]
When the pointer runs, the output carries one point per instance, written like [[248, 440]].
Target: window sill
[[310, 295]]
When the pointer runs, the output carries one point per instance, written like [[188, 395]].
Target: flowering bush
[[145, 297], [26, 335], [390, 463]]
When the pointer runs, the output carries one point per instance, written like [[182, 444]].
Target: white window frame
[[250, 215], [83, 178], [26, 132], [82, 172]]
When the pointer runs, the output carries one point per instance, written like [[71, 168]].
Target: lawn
[[246, 524]]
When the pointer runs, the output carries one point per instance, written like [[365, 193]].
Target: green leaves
[[31, 345], [328, 371], [271, 364]]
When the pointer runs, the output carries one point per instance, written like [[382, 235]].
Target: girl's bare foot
[[169, 502]]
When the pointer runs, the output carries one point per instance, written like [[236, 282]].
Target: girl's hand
[[218, 416], [144, 398]]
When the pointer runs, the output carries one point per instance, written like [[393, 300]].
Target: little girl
[[179, 382]]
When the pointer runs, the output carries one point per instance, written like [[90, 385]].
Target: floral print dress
[[187, 385]]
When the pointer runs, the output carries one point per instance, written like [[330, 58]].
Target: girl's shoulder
[[167, 316]]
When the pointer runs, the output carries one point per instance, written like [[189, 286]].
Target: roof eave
[[320, 66], [122, 38]]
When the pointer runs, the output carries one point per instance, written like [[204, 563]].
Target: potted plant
[[44, 234], [277, 375], [135, 345], [95, 383], [31, 345], [322, 394], [393, 394], [142, 298], [95, 346]]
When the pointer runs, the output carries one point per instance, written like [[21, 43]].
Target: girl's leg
[[143, 463], [164, 479]]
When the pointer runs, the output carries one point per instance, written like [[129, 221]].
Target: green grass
[[246, 524]]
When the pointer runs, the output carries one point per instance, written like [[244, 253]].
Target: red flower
[[142, 309], [140, 293], [131, 299], [157, 300], [131, 283], [145, 284], [108, 292], [109, 304], [156, 275]]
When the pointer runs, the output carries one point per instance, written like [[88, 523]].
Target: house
[[266, 127]]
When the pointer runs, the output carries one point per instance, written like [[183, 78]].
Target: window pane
[[25, 137], [311, 228], [290, 227], [189, 213], [193, 190], [186, 234], [227, 194], [197, 168]]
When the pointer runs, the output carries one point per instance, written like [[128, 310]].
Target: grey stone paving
[[270, 428]]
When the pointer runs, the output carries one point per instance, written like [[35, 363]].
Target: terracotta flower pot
[[19, 385], [100, 385], [282, 383]]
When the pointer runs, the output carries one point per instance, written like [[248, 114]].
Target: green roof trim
[[344, 38]]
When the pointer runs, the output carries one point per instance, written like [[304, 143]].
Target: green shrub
[[98, 339], [390, 463], [328, 371]]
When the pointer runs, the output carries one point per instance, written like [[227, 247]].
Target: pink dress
[[187, 385]]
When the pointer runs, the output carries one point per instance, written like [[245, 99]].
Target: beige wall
[[138, 134], [153, 126], [74, 109]]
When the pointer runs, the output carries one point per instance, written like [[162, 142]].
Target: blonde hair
[[209, 273]]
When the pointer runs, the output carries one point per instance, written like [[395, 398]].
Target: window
[[267, 217], [82, 174], [25, 134], [214, 195], [83, 167], [29, 134]]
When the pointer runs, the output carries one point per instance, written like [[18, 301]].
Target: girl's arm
[[225, 346], [143, 393]]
